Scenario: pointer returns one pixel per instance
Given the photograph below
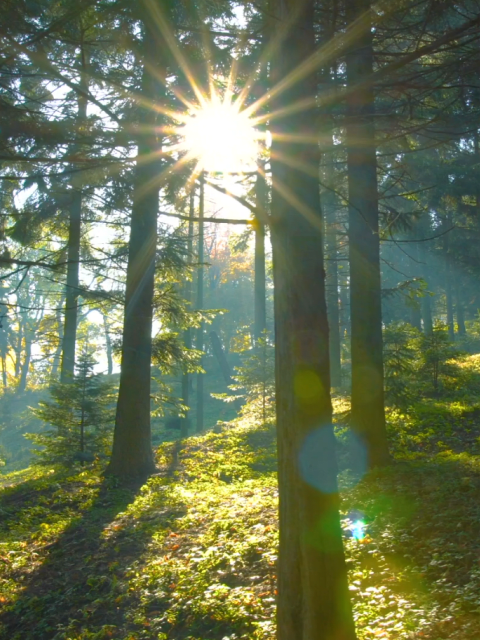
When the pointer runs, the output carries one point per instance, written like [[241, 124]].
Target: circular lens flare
[[221, 138]]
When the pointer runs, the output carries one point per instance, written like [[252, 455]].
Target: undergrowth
[[191, 555]]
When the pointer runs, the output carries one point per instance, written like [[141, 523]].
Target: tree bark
[[313, 600], [368, 412], [132, 454], [74, 235]]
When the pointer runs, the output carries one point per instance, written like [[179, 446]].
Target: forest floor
[[191, 554]]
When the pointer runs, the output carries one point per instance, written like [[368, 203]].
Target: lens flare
[[358, 530]]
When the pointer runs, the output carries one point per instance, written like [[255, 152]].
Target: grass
[[191, 554]]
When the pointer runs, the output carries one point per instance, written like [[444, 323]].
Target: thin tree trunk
[[18, 350], [132, 453], [108, 345], [424, 231], [74, 235], [415, 309], [368, 412], [200, 378], [57, 356], [461, 330], [313, 600], [416, 317], [188, 332], [260, 322], [448, 283], [329, 204], [22, 385]]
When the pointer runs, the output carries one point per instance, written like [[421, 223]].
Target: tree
[[132, 453], [313, 600], [368, 412], [81, 414], [74, 231]]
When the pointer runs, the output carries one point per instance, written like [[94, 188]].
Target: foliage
[[436, 352], [255, 380], [192, 553], [79, 415], [399, 357]]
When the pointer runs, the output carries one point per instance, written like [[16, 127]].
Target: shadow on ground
[[75, 586]]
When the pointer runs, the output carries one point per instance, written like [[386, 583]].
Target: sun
[[221, 138]]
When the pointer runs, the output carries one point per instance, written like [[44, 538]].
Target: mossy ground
[[191, 554]]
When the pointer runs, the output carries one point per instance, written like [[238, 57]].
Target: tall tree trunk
[[416, 317], [22, 385], [415, 308], [18, 349], [132, 453], [201, 329], [57, 356], [188, 332], [329, 205], [461, 330], [313, 600], [448, 282], [260, 321], [424, 232], [74, 234], [108, 345], [368, 412]]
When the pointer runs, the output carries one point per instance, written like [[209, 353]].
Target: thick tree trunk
[[313, 601], [368, 412], [132, 454], [69, 339], [201, 329]]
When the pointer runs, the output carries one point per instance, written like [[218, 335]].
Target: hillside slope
[[191, 555]]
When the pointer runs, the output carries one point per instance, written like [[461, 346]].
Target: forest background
[[129, 297]]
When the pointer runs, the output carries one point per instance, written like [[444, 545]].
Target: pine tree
[[79, 415]]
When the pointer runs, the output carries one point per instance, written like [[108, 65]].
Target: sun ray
[[168, 36], [312, 216], [330, 50]]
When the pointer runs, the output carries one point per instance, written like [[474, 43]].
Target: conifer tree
[[79, 415]]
